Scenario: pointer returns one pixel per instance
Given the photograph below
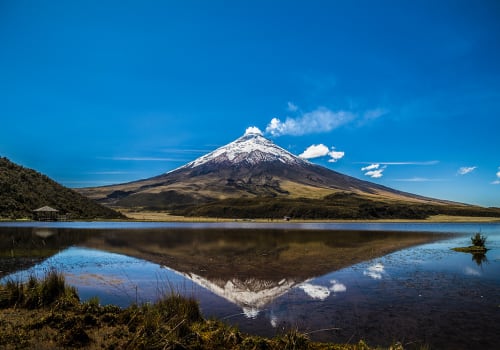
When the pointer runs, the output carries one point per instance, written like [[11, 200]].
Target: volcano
[[248, 171]]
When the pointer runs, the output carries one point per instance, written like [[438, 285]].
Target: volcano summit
[[253, 177]]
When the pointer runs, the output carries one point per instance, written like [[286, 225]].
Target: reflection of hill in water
[[24, 247]]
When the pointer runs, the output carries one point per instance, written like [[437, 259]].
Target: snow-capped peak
[[251, 148]]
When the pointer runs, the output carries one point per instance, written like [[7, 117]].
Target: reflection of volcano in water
[[251, 268], [251, 295], [248, 267]]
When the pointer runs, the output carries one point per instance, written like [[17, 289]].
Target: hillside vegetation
[[342, 205], [22, 190]]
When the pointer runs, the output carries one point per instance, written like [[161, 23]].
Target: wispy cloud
[[418, 179], [317, 151], [466, 170], [374, 170], [375, 174], [370, 167], [319, 120], [429, 162], [292, 107], [371, 115], [108, 173], [142, 159]]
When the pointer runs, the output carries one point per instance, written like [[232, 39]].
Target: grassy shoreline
[[153, 216], [166, 217], [47, 314]]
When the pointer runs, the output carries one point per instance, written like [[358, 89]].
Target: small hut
[[45, 213]]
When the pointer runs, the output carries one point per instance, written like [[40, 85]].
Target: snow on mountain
[[252, 295], [250, 149]]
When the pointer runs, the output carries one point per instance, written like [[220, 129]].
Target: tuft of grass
[[37, 292], [293, 340]]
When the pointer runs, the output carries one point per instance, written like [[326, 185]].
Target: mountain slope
[[247, 167], [22, 190], [253, 177]]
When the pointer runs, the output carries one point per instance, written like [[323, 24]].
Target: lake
[[381, 282]]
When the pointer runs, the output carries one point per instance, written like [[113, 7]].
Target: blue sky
[[402, 93]]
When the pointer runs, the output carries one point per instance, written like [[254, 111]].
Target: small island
[[478, 245]]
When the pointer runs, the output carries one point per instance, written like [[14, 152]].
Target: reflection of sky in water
[[114, 278], [429, 280]]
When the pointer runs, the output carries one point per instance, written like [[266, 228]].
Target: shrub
[[478, 240]]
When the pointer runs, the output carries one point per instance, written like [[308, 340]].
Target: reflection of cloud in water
[[251, 312], [274, 321], [375, 271], [337, 287], [315, 291], [321, 292], [471, 271]]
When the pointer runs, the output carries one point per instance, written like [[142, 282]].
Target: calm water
[[336, 282]]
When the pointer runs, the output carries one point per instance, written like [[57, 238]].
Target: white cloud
[[335, 155], [320, 120], [497, 181], [466, 170], [370, 167], [314, 151], [375, 174], [374, 170], [253, 130], [292, 107]]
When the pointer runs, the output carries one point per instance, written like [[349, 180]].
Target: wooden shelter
[[45, 213]]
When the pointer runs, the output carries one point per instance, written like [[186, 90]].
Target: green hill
[[22, 190]]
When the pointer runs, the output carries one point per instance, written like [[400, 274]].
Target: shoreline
[[165, 217], [150, 216]]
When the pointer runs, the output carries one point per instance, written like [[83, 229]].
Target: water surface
[[336, 282]]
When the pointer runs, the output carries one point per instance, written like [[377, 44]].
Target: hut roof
[[46, 208]]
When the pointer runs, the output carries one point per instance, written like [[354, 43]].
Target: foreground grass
[[47, 314]]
